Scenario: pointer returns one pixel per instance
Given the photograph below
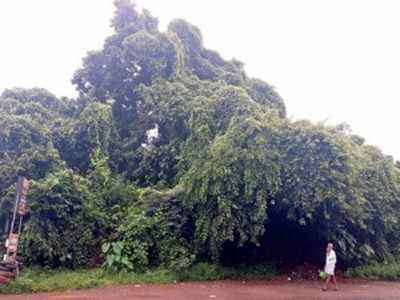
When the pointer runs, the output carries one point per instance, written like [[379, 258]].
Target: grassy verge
[[43, 280], [204, 271], [383, 271]]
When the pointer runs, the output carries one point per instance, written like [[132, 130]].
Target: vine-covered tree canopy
[[172, 155]]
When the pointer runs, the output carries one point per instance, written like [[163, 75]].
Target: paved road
[[229, 290]]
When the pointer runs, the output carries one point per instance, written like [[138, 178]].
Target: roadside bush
[[151, 234], [62, 229], [382, 271]]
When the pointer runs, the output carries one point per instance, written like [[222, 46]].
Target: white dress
[[330, 263]]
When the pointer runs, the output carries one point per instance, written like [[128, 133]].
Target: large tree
[[173, 154]]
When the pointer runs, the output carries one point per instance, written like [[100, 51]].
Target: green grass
[[377, 271], [43, 280], [205, 271]]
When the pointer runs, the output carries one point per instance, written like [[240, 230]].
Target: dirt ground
[[230, 290]]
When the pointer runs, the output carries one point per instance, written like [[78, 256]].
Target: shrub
[[384, 270], [152, 234], [62, 230]]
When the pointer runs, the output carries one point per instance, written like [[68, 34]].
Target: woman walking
[[330, 266]]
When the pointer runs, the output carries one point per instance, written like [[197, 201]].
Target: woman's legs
[[328, 279], [334, 282], [326, 282]]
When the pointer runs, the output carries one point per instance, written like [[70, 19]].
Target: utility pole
[[9, 266]]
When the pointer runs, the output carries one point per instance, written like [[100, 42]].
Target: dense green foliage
[[377, 271], [172, 155], [62, 229]]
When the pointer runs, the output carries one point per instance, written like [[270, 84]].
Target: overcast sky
[[336, 60]]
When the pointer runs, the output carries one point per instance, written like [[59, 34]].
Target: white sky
[[337, 60]]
